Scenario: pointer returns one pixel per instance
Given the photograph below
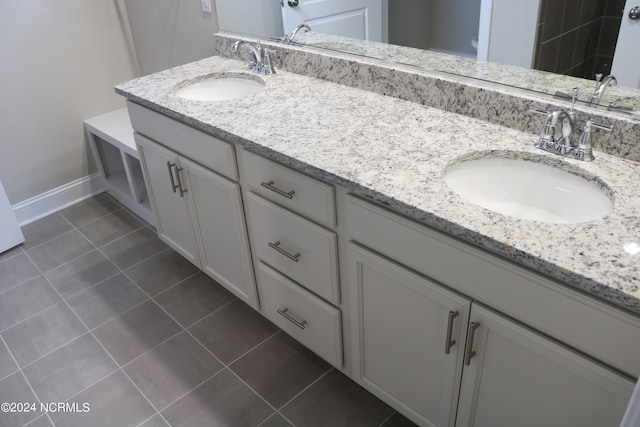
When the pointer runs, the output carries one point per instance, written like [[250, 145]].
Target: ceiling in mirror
[[500, 41]]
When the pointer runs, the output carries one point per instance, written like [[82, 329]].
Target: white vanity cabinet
[[517, 377], [498, 373], [162, 171], [296, 253], [198, 212], [411, 337]]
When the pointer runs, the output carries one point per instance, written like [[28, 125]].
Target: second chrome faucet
[[559, 128], [259, 58]]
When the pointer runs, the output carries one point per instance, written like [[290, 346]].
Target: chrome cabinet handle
[[170, 165], [450, 343], [634, 13], [285, 313], [269, 185], [293, 3], [470, 334], [180, 189], [295, 257]]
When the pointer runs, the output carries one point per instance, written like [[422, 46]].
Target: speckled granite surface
[[394, 152], [535, 80], [499, 104]]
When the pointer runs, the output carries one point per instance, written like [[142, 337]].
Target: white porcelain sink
[[221, 87], [528, 190]]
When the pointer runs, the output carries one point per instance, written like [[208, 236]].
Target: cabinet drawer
[[295, 246], [605, 333], [298, 192], [210, 152], [305, 317]]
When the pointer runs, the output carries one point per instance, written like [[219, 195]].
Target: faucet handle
[[584, 149], [267, 63]]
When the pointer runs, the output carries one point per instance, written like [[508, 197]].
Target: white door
[[161, 169], [218, 220], [626, 61], [412, 336], [360, 19], [519, 378], [10, 233]]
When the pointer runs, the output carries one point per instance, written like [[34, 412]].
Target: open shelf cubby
[[110, 137]]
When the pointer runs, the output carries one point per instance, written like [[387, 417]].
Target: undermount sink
[[222, 87], [529, 190]]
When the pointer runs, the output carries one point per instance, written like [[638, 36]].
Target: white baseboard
[[52, 201]]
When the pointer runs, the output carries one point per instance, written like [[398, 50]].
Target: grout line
[[393, 412], [26, 365], [25, 379], [103, 348]]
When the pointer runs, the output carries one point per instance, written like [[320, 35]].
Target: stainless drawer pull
[[450, 343], [277, 247], [180, 189], [170, 165], [269, 185], [470, 334], [284, 313]]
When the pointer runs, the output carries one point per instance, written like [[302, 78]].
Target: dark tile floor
[[97, 312]]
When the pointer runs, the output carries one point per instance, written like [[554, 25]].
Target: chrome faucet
[[288, 39], [601, 86], [259, 58], [558, 129]]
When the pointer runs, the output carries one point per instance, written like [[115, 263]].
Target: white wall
[[59, 62], [167, 33]]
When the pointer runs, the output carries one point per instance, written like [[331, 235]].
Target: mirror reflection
[[548, 46]]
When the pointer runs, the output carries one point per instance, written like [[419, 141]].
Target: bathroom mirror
[[501, 41]]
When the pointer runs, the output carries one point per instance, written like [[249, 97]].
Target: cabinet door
[[218, 219], [405, 331], [172, 215], [519, 378]]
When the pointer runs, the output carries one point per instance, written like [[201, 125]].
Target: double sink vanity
[[348, 219]]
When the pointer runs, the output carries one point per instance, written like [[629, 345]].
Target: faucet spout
[[601, 86], [557, 132], [290, 38], [255, 54]]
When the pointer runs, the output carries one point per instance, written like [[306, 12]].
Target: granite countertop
[[520, 77], [395, 152]]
